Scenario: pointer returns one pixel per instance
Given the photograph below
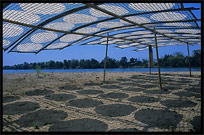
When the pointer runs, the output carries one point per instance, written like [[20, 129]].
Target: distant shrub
[[38, 70]]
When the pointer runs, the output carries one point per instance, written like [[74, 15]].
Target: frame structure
[[53, 26]]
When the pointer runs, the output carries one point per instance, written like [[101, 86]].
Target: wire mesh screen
[[36, 41], [36, 13], [11, 32], [81, 18]]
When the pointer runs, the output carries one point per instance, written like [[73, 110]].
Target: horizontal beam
[[22, 52]]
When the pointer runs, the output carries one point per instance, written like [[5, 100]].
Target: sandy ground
[[128, 101]]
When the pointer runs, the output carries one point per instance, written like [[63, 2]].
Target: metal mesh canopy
[[33, 27]]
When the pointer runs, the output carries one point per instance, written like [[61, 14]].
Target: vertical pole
[[149, 69], [150, 61], [105, 60], [158, 65], [189, 59]]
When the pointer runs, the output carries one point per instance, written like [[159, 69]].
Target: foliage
[[175, 60], [36, 126], [9, 117], [171, 128], [196, 58], [124, 62], [38, 68]]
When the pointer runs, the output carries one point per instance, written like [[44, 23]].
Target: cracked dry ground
[[127, 102]]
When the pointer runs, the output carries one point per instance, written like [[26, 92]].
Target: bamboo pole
[[104, 76], [158, 65], [149, 61], [149, 69], [189, 59]]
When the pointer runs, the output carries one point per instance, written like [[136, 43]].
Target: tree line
[[175, 60]]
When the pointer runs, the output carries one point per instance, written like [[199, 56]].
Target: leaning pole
[[104, 76], [158, 65]]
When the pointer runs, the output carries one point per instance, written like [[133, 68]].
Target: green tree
[[132, 62], [165, 61], [180, 59], [51, 64], [175, 60], [75, 63], [145, 62], [123, 62], [59, 65], [82, 64], [65, 64], [196, 58], [110, 63], [94, 63], [69, 64]]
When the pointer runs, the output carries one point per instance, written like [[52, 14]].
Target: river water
[[108, 70]]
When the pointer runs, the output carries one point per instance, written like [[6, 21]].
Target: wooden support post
[[149, 69], [189, 59], [150, 59], [149, 62], [104, 76], [158, 65]]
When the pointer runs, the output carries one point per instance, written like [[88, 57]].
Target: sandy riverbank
[[129, 101]]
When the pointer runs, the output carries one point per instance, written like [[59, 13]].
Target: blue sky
[[96, 52]]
